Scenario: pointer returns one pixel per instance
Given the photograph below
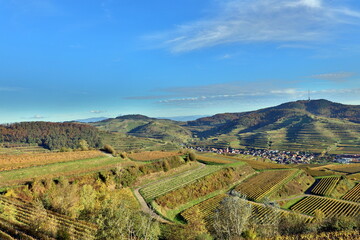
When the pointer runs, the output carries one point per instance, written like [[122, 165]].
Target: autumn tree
[[117, 221], [231, 217]]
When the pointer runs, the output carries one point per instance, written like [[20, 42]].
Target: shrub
[[109, 149], [192, 156]]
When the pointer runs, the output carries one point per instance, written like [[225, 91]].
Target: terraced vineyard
[[5, 236], [157, 189], [25, 212], [220, 180], [256, 164], [260, 212], [349, 168], [208, 159], [348, 235], [264, 183], [21, 148], [353, 195], [152, 155], [347, 135], [318, 173], [260, 165], [330, 207], [13, 231], [325, 186]]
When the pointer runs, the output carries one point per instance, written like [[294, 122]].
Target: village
[[282, 157]]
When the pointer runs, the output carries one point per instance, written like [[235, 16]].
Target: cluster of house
[[282, 157], [347, 158]]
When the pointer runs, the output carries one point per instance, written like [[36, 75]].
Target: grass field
[[57, 169]]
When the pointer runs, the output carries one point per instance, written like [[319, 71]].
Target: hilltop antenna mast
[[309, 95]]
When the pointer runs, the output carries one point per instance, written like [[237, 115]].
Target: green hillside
[[302, 125], [145, 127]]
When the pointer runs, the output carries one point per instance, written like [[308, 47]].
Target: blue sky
[[65, 60]]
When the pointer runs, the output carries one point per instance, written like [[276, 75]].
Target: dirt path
[[145, 207]]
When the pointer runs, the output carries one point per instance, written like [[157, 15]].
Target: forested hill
[[50, 135], [326, 108]]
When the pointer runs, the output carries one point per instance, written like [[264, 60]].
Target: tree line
[[50, 135]]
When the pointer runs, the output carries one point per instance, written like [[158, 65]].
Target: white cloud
[[306, 3], [246, 21]]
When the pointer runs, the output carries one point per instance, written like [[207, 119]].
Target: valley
[[166, 179]]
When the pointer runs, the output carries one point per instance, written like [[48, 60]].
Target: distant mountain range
[[90, 120], [316, 125]]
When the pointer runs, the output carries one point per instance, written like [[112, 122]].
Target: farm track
[[146, 209]]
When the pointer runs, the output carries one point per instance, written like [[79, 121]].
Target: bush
[[192, 156], [83, 145], [339, 223], [65, 149], [109, 149]]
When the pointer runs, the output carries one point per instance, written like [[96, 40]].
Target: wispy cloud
[[150, 97], [270, 94], [225, 56], [97, 111], [37, 116], [335, 77], [247, 21]]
